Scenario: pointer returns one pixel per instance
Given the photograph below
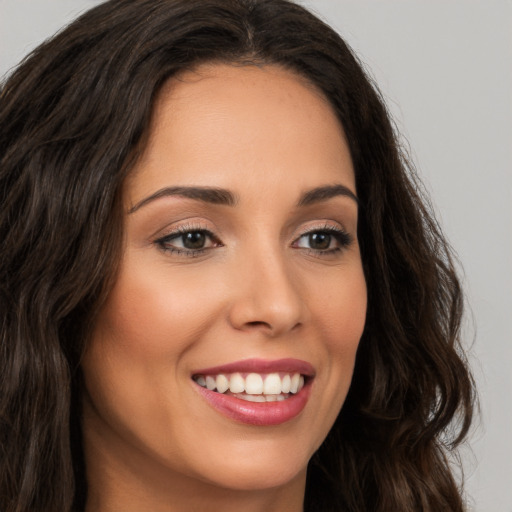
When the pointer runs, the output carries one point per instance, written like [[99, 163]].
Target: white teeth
[[272, 384], [236, 383], [222, 383], [210, 382], [261, 398], [254, 398], [285, 384], [301, 383], [294, 384], [254, 384]]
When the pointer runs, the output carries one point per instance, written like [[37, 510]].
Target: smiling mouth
[[254, 387], [257, 392]]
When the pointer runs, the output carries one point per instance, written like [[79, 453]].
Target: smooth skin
[[205, 282]]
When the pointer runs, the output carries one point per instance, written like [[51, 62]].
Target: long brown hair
[[73, 118]]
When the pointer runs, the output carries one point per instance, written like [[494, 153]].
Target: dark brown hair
[[73, 117]]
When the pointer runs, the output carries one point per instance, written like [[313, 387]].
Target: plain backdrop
[[445, 69]]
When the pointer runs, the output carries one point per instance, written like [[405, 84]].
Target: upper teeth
[[253, 383]]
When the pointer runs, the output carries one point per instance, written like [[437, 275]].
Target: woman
[[220, 285]]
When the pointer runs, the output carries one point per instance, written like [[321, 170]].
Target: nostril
[[259, 324], [268, 328]]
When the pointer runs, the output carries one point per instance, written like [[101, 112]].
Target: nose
[[266, 296]]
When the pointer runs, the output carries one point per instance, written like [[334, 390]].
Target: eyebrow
[[324, 193], [225, 197], [205, 194]]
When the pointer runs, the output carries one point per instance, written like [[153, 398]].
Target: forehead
[[231, 126]]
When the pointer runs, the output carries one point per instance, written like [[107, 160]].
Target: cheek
[[341, 312], [341, 316], [144, 329], [148, 314], [147, 324]]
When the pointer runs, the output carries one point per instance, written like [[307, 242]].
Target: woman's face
[[241, 268]]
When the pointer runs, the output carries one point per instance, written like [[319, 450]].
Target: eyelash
[[183, 230], [343, 238]]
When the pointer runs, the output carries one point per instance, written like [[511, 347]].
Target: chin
[[257, 477], [252, 464]]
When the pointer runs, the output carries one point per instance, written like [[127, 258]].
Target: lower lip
[[257, 413]]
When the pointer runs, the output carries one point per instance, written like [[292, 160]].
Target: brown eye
[[328, 240], [194, 240], [319, 241], [188, 241]]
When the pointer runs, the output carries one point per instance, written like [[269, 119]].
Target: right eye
[[190, 242]]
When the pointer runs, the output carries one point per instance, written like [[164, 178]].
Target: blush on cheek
[[345, 313], [147, 317]]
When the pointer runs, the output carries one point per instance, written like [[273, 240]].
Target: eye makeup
[[188, 240], [324, 241], [194, 240]]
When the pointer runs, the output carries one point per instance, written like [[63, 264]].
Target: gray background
[[445, 68]]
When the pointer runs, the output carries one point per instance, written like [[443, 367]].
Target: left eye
[[193, 239], [323, 241], [187, 241]]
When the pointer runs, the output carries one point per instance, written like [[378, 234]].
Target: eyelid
[[345, 239], [334, 228], [177, 231], [182, 227], [324, 225]]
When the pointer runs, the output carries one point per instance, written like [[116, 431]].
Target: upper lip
[[287, 365]]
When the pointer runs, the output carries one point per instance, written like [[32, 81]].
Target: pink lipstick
[[256, 391]]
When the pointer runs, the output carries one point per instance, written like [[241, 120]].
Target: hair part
[[74, 117]]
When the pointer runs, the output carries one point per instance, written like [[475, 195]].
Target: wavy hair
[[74, 117]]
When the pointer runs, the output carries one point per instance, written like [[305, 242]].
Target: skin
[[258, 290]]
